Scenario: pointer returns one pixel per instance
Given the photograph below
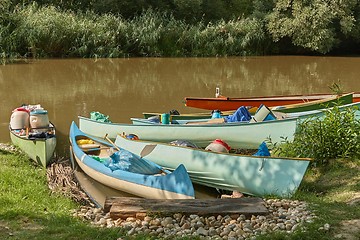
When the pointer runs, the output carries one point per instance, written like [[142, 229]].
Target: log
[[123, 207]]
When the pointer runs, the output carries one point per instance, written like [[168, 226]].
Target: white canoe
[[253, 175], [237, 135]]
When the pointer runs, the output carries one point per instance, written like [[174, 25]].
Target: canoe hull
[[316, 104], [258, 176], [175, 185], [227, 103], [39, 150], [237, 135]]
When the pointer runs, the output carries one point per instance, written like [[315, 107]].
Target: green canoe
[[39, 148], [315, 105]]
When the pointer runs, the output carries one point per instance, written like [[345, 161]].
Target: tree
[[316, 25]]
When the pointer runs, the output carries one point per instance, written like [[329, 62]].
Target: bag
[[218, 145], [241, 115], [97, 116], [263, 150]]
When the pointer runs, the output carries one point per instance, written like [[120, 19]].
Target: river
[[126, 87]]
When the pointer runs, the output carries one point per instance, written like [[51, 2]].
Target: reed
[[46, 31]]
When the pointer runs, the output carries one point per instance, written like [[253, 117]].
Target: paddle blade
[[147, 150]]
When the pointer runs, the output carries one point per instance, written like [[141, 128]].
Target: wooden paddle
[[147, 150], [112, 143]]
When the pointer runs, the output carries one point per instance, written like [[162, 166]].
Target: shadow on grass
[[20, 226], [339, 176]]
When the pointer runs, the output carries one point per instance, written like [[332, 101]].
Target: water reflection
[[124, 88]]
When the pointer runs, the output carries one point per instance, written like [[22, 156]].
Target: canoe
[[321, 112], [316, 104], [299, 115], [227, 103], [31, 131], [254, 175], [40, 149], [290, 108], [237, 135], [186, 116], [125, 171]]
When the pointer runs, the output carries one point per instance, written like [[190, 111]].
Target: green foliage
[[315, 25], [38, 31], [334, 135], [52, 28]]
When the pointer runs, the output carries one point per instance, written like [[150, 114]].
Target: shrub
[[334, 135]]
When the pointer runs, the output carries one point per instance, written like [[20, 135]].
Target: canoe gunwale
[[219, 153]]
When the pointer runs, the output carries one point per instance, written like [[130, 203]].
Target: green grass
[[30, 211]]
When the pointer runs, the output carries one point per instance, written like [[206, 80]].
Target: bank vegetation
[[177, 28]]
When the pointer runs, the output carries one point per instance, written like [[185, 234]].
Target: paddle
[[144, 152], [147, 150], [112, 143]]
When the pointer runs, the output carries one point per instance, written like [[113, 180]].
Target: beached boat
[[316, 104], [227, 103], [300, 115], [238, 134], [186, 116], [290, 108], [255, 175], [125, 171], [31, 131]]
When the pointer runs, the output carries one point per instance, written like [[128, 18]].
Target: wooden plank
[[211, 121], [121, 207]]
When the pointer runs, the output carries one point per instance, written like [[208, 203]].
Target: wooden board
[[120, 207]]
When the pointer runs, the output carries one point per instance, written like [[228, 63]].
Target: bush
[[334, 135]]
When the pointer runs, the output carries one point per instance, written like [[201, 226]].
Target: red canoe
[[226, 103]]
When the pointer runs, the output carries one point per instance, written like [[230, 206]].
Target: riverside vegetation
[[176, 28], [330, 188]]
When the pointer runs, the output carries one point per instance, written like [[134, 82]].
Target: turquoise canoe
[[39, 148], [237, 135], [125, 171], [254, 175]]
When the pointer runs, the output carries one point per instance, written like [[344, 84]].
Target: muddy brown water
[[124, 88]]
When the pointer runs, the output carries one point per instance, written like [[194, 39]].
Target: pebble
[[284, 215]]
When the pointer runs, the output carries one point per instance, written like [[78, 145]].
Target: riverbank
[[325, 207]]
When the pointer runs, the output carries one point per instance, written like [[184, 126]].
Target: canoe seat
[[89, 146], [211, 121], [263, 114]]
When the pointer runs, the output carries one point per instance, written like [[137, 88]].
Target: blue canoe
[[125, 171]]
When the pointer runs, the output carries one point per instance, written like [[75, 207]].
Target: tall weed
[[46, 31], [334, 135]]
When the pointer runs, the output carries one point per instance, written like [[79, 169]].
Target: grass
[[30, 211]]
